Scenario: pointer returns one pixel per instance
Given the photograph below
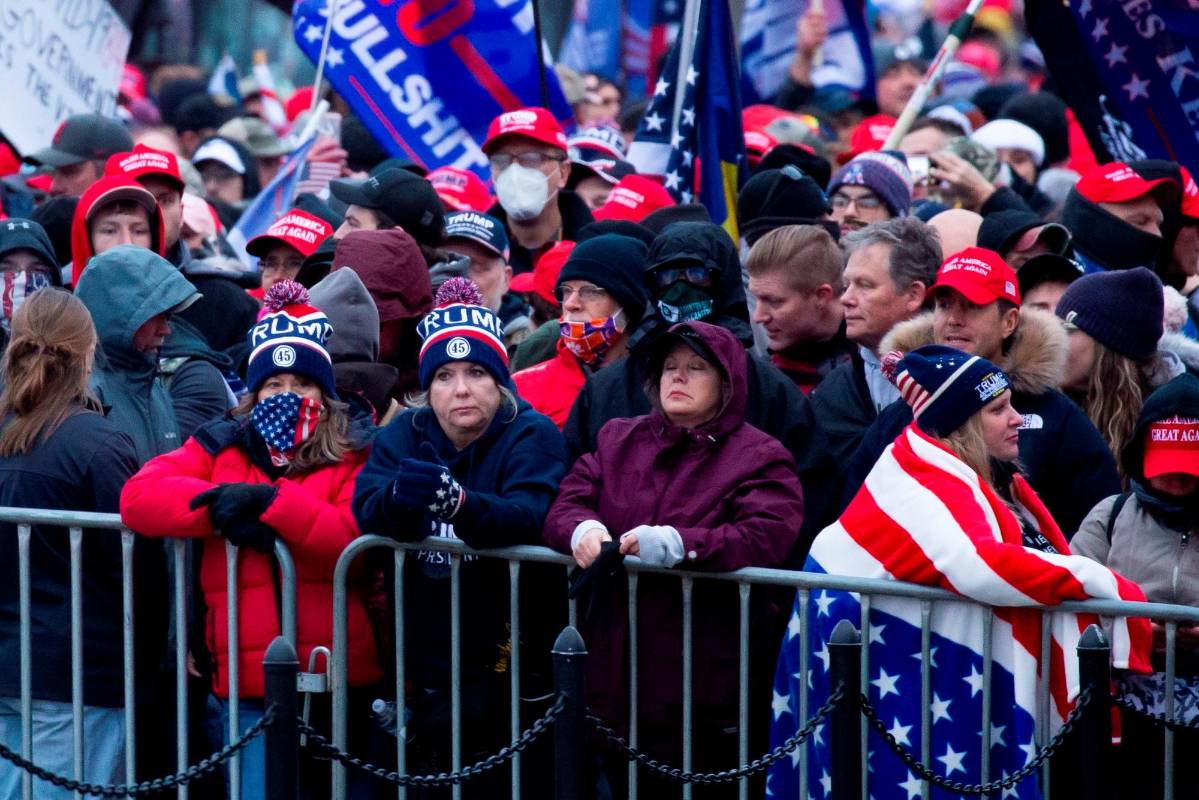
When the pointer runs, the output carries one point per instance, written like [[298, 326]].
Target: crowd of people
[[975, 354]]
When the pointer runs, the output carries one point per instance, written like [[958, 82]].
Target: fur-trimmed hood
[[1182, 346], [1034, 363]]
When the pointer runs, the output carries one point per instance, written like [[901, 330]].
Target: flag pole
[[957, 32], [541, 76], [688, 32], [320, 62]]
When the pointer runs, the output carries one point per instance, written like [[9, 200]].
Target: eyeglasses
[[866, 202], [696, 276], [586, 293], [279, 264], [530, 160]]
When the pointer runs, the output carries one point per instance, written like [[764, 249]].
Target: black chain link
[[324, 747], [1160, 720], [146, 787], [729, 775], [927, 774]]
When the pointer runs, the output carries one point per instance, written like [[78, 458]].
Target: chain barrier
[[324, 747], [1157, 719], [613, 740], [146, 787], [1009, 782]]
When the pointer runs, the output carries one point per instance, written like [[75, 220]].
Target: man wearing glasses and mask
[[529, 171]]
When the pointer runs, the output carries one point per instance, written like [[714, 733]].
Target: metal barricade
[[931, 602], [76, 523]]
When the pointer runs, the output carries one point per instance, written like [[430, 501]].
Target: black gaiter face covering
[[1106, 239]]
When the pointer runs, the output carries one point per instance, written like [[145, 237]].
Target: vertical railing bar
[[688, 588], [514, 666], [456, 670], [926, 692], [633, 681], [127, 636], [232, 603], [1168, 749], [24, 535], [401, 698], [743, 590], [76, 535], [804, 655], [864, 742], [1043, 730], [985, 759], [287, 579], [179, 549], [572, 612]]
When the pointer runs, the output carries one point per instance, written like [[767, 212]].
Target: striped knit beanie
[[461, 328], [883, 172], [944, 386], [290, 337]]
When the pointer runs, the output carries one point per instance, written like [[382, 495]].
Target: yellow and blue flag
[[691, 133]]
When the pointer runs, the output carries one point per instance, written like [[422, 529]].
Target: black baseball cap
[[408, 199], [475, 226], [1047, 268], [587, 163], [83, 137]]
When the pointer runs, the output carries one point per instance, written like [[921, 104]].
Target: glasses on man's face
[[696, 276], [586, 293], [279, 265], [530, 160], [866, 202]]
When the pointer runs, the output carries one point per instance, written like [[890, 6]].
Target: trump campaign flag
[[768, 37], [1130, 72], [592, 42], [691, 132], [924, 516], [427, 78]]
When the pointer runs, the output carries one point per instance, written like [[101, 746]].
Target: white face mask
[[522, 192]]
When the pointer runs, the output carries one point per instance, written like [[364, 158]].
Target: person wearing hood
[[27, 263], [693, 274], [471, 461], [392, 269], [131, 294], [362, 381], [1150, 534], [1178, 259], [1115, 216], [602, 294], [282, 466], [194, 373], [115, 210], [694, 485], [530, 168], [977, 309]]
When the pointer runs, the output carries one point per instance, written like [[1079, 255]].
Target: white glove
[[659, 545]]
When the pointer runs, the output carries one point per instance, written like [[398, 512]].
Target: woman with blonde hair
[[283, 466], [58, 452]]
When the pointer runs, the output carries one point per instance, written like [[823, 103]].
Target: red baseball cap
[[1118, 183], [633, 198], [297, 229], [544, 277], [1172, 445], [757, 143], [979, 275], [143, 161], [1190, 195], [460, 189], [534, 123], [871, 134]]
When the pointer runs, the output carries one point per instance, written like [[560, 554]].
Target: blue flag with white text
[[1129, 71], [275, 198], [427, 78], [592, 42]]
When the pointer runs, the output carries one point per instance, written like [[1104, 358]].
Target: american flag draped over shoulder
[[924, 516], [691, 133]]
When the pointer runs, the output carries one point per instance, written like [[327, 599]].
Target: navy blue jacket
[[511, 476], [1062, 454]]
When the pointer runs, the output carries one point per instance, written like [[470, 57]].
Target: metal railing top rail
[[67, 519], [794, 579]]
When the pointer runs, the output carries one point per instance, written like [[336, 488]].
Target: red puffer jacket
[[311, 513]]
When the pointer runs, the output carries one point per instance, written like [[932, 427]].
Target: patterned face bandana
[[16, 288], [590, 340], [285, 421]]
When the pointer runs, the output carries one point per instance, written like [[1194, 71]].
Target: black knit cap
[[622, 227], [363, 151], [1120, 309], [663, 218], [810, 164], [616, 263], [780, 197], [1045, 114]]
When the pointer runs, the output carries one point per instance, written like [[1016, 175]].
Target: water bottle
[[384, 713]]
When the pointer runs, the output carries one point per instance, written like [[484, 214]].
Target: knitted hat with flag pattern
[[461, 328], [944, 386], [290, 337]]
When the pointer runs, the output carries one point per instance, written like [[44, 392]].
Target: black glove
[[605, 567], [248, 531], [231, 501]]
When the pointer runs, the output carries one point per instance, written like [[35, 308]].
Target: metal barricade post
[[279, 669], [571, 764], [845, 651], [1095, 674]]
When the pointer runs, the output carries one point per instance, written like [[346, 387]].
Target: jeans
[[253, 757], [53, 747]]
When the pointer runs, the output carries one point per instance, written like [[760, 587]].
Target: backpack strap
[[1116, 508]]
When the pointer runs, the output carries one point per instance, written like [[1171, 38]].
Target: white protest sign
[[57, 58]]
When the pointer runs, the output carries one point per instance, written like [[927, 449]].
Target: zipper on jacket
[[1182, 547]]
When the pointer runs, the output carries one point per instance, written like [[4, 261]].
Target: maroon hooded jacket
[[731, 492]]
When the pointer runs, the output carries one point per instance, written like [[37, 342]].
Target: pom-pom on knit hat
[[461, 328], [290, 337]]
